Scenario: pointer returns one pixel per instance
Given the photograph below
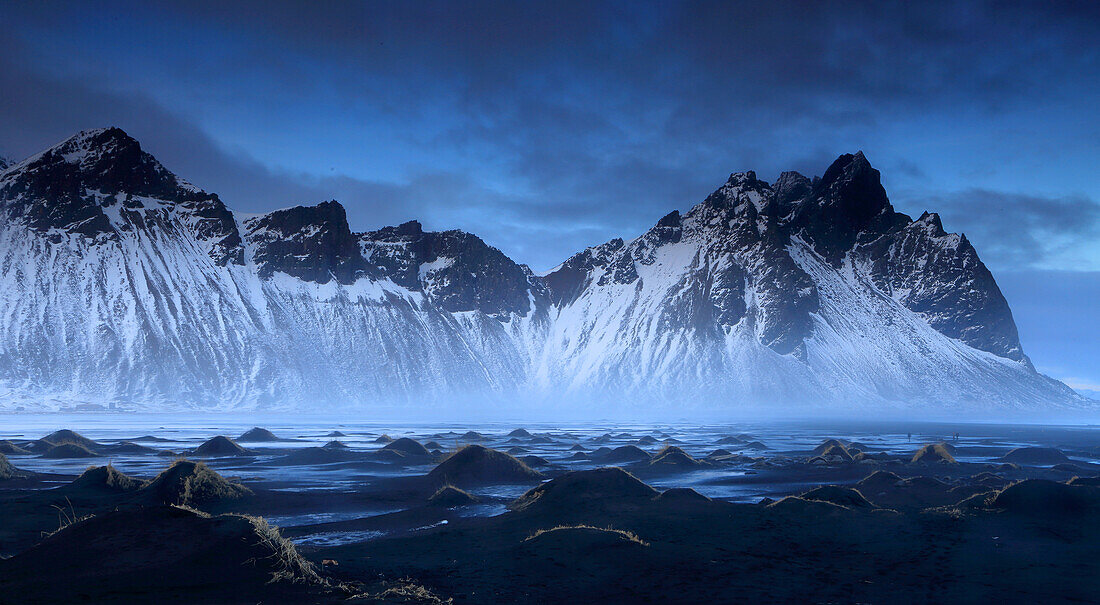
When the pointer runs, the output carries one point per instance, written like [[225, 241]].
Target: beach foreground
[[574, 514]]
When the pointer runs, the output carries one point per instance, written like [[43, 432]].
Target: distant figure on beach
[[910, 436]]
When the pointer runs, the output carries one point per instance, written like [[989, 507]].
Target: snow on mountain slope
[[132, 300], [121, 284]]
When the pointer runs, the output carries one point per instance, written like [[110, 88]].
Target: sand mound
[[164, 554], [433, 445], [334, 445], [1087, 481], [933, 453], [682, 494], [150, 438], [1035, 455], [1068, 467], [219, 446], [836, 451], [450, 496], [335, 434], [69, 450], [472, 436], [579, 456], [192, 483], [534, 461], [720, 452], [584, 541], [383, 439], [576, 447], [517, 450], [755, 445], [623, 453], [1042, 497], [673, 458], [879, 480], [474, 465], [805, 509], [541, 440], [391, 456], [647, 440], [65, 436], [730, 441], [8, 471], [519, 433], [835, 494], [887, 490], [129, 447], [107, 479], [408, 447], [576, 490], [258, 435], [827, 445], [7, 447]]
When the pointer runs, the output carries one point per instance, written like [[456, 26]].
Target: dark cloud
[[526, 121]]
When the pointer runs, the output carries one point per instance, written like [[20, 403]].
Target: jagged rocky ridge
[[120, 283]]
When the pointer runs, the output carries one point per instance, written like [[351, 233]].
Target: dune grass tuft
[[628, 535]]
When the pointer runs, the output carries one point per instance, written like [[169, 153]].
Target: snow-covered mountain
[[122, 284]]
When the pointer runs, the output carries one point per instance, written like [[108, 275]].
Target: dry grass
[[407, 591], [629, 535], [66, 517], [289, 564]]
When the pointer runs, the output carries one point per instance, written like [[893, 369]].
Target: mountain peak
[[742, 178], [410, 228], [103, 159], [791, 187], [849, 167], [847, 201], [89, 148]]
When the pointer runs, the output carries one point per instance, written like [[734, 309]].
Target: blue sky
[[545, 128]]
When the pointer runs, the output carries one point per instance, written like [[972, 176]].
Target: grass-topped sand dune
[[608, 518]]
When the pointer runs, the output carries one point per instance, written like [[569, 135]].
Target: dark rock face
[[847, 205], [456, 270], [313, 243], [567, 281], [940, 276], [71, 188]]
